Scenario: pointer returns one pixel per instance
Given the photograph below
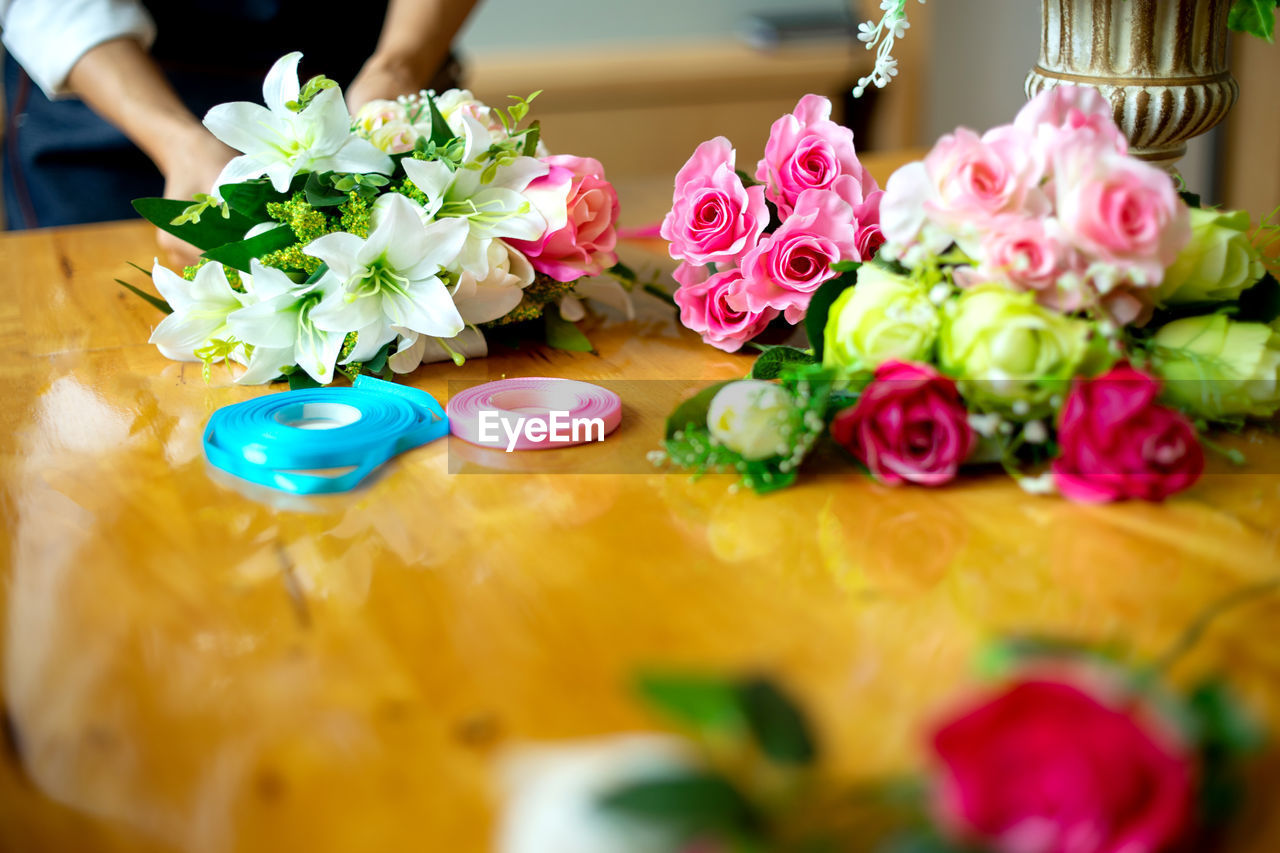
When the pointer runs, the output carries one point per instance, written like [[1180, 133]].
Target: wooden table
[[187, 668]]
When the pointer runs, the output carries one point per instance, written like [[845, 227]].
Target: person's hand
[[381, 79], [197, 159]]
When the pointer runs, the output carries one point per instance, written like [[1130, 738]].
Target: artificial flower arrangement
[[379, 242], [1032, 296], [1062, 748]]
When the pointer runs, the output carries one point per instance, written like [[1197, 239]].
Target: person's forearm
[[416, 37], [121, 83], [417, 34]]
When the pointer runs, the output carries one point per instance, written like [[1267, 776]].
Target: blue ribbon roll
[[285, 440]]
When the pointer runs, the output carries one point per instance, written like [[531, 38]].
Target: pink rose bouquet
[[1031, 296], [810, 181]]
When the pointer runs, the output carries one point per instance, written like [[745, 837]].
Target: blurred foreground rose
[[1048, 767]]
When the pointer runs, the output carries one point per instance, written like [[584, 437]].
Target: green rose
[[1217, 368], [1217, 264], [1006, 349], [751, 417], [882, 317]]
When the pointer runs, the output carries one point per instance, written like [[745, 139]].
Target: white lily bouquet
[[377, 243]]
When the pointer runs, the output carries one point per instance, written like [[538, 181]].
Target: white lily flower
[[390, 279], [503, 207], [200, 310], [280, 143], [280, 328], [414, 349]]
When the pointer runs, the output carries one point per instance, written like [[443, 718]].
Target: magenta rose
[[909, 425], [584, 246], [785, 268], [1117, 443], [1046, 767], [708, 306], [807, 150], [713, 218], [1121, 211]]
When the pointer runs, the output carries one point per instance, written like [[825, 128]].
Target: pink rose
[[979, 178], [807, 150], [707, 307], [1121, 210], [1035, 255], [909, 425], [1045, 767], [713, 217], [786, 267], [584, 246], [1067, 116], [964, 183], [1117, 443]]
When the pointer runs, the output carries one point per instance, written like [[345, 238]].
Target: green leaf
[[1255, 17], [299, 378], [531, 137], [770, 363], [379, 360], [251, 198], [561, 334], [209, 233], [747, 180], [1189, 198], [815, 319], [701, 704], [238, 254], [693, 412], [317, 275], [322, 192], [142, 270], [845, 266], [778, 724], [1223, 724], [692, 803], [441, 133], [153, 300], [1260, 303]]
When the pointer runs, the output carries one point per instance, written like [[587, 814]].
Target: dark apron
[[65, 165]]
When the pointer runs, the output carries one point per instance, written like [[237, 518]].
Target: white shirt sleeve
[[48, 37]]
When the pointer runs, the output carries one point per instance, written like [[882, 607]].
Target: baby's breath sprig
[[881, 35]]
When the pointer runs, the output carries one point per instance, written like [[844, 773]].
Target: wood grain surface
[[191, 666]]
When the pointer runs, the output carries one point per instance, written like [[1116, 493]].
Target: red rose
[[909, 424], [1117, 443], [1044, 767]]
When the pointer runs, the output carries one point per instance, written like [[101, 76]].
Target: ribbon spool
[[533, 400], [286, 440]]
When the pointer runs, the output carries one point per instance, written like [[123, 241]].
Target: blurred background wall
[[639, 84]]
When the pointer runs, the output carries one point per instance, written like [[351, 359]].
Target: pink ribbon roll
[[534, 413]]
